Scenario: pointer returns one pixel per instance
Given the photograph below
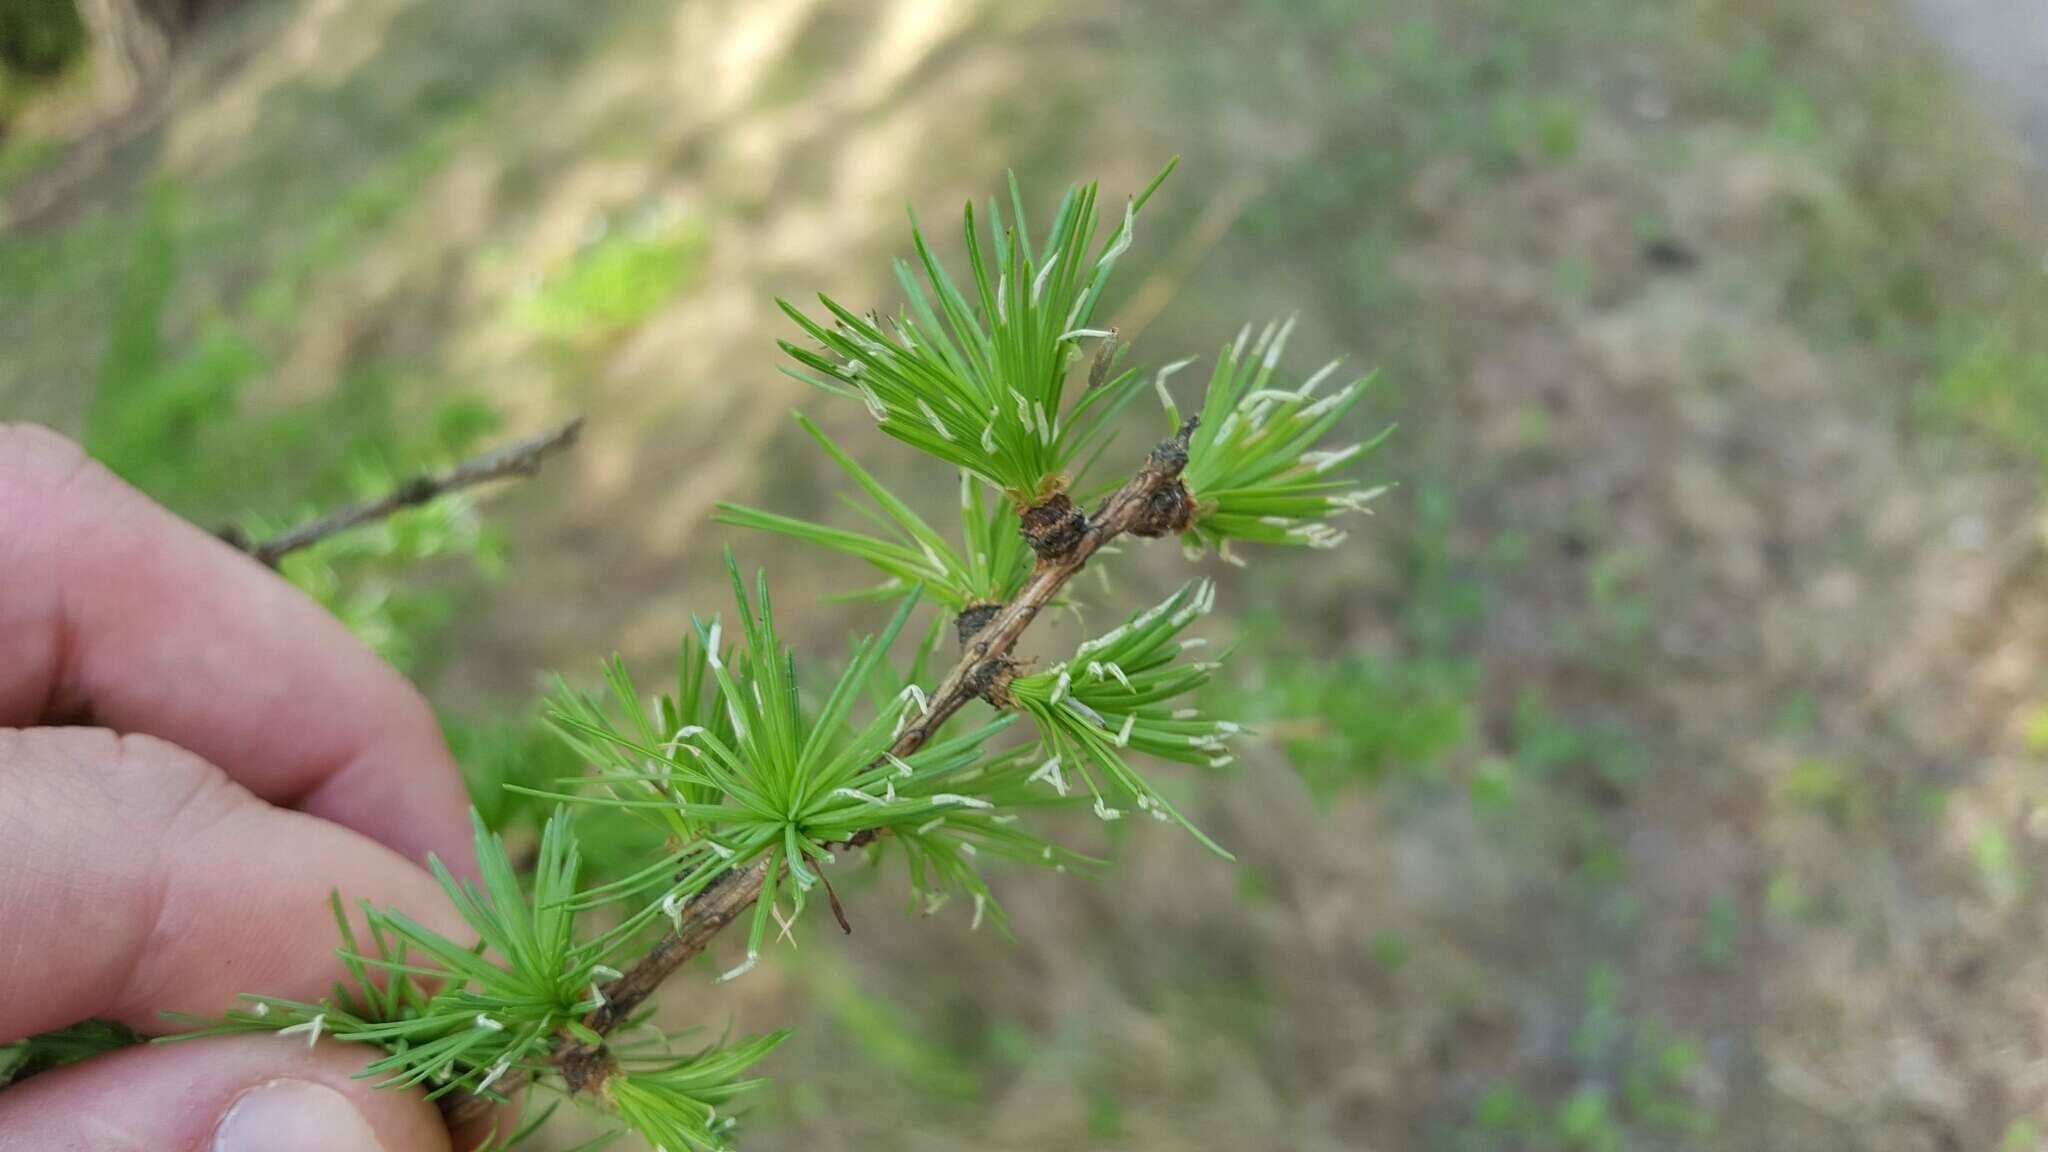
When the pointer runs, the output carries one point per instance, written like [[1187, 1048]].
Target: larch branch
[[1151, 503]]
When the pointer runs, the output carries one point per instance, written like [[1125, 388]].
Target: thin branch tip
[[521, 458]]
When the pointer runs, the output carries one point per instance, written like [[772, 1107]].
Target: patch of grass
[[1537, 127], [1553, 747], [1494, 785], [154, 404], [1912, 242], [1785, 898], [1503, 1110], [21, 156], [1720, 934], [340, 230], [1634, 1083], [1586, 1122], [1105, 1111], [1446, 598], [168, 416], [886, 1040], [1391, 951], [1350, 721], [1353, 723], [1658, 1084], [619, 280], [1826, 787], [1993, 376], [1618, 598], [1997, 868], [2036, 731]]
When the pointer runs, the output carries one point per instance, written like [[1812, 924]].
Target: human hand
[[192, 755]]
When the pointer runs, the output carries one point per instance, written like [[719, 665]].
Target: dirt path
[[2002, 45]]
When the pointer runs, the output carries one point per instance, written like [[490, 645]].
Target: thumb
[[225, 1094]]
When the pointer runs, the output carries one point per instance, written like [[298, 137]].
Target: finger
[[117, 613], [140, 880], [227, 1094]]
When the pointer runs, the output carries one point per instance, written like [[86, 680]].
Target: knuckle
[[153, 786], [43, 473], [181, 792], [34, 452]]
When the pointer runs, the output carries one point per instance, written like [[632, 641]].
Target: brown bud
[[1054, 526], [1169, 510], [974, 618]]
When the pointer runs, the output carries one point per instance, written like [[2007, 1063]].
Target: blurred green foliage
[[39, 37], [41, 44], [1353, 722], [887, 1039], [172, 415], [619, 279], [511, 748], [1994, 375], [1636, 1083], [1890, 246]]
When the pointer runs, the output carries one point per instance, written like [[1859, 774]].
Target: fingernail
[[294, 1116]]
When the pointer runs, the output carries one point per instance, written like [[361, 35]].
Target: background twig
[[520, 459]]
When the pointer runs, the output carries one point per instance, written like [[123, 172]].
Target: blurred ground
[[1669, 752], [2001, 48]]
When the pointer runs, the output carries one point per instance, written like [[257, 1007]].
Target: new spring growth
[[457, 1015], [680, 1104], [1114, 697], [974, 371], [777, 780], [1255, 467], [986, 565]]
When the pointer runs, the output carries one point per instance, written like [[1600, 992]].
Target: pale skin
[[192, 755]]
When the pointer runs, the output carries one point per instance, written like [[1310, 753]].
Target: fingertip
[[256, 1093], [40, 454]]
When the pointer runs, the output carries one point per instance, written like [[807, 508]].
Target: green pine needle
[[32, 1055], [987, 567], [1114, 696], [977, 375], [451, 1015], [678, 1104], [775, 780], [1252, 464]]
